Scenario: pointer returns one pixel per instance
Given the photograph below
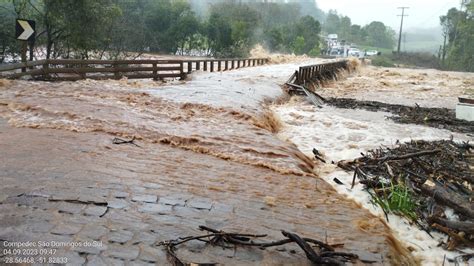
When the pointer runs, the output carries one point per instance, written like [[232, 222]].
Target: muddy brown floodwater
[[63, 179], [426, 87]]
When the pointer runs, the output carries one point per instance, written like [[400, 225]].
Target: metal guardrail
[[71, 69]]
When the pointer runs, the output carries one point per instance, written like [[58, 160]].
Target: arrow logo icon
[[27, 30]]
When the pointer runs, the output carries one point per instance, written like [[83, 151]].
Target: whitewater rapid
[[342, 134]]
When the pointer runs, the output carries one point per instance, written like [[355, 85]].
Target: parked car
[[336, 52], [371, 53], [355, 52]]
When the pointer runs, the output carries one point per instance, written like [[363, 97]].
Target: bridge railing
[[318, 72], [71, 69]]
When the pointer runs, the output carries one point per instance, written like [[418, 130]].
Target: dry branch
[[325, 255]]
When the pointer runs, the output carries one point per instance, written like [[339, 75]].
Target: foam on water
[[342, 134]]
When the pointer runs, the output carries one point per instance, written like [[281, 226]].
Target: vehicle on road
[[371, 52], [355, 52]]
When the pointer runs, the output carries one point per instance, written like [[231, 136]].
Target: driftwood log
[[324, 255], [435, 175]]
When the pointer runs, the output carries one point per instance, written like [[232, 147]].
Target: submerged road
[[205, 156]]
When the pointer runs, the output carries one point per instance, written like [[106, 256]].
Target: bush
[[383, 61], [407, 59], [418, 59], [316, 51]]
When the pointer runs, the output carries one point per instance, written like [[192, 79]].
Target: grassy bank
[[407, 59]]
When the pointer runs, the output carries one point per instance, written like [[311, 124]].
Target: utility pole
[[401, 26]]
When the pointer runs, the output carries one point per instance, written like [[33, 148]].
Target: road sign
[[25, 29]]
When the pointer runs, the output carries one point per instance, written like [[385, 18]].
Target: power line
[[401, 26]]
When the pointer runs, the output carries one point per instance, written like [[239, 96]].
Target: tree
[[274, 38], [450, 21], [379, 36], [309, 8], [345, 28], [219, 34], [332, 23], [357, 34], [8, 44], [308, 28], [458, 25], [183, 30], [298, 45]]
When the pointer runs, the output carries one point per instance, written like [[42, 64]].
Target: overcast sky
[[422, 13]]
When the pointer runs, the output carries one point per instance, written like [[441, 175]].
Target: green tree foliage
[[345, 28], [219, 34], [458, 26], [298, 45], [374, 34], [114, 28], [332, 23], [308, 28], [232, 29], [309, 8], [87, 24], [378, 35], [8, 44], [169, 25]]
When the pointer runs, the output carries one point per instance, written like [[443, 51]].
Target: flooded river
[[208, 154]]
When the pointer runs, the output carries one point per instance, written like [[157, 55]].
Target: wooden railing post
[[212, 65], [238, 63], [232, 64], [198, 65], [300, 76], [116, 73], [190, 66], [181, 70], [155, 72], [226, 65], [46, 69], [219, 65], [205, 65]]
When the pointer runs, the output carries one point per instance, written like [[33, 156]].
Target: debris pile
[[325, 254], [428, 182], [434, 117]]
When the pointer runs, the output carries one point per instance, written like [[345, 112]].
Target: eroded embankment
[[217, 152]]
